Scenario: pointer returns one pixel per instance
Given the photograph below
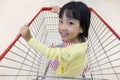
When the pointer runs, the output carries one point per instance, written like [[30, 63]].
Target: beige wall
[[14, 14]]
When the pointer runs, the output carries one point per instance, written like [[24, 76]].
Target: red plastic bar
[[9, 47], [47, 9], [19, 35], [43, 9], [111, 29]]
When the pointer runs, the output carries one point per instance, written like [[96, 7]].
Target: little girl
[[74, 21]]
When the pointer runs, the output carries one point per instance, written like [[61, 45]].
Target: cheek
[[58, 28], [75, 31]]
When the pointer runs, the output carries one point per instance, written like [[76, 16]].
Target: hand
[[55, 9], [54, 46], [25, 32]]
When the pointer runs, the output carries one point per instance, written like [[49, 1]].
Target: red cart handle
[[19, 35]]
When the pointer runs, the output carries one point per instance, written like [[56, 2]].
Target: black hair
[[79, 11]]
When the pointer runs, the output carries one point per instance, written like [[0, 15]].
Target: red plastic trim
[[111, 29], [19, 35], [46, 9]]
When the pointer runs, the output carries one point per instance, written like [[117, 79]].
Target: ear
[[81, 30]]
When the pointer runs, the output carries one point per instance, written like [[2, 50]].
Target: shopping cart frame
[[48, 9]]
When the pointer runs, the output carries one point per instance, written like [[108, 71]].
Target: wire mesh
[[23, 63], [103, 51]]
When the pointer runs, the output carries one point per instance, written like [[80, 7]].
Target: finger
[[54, 8], [23, 30]]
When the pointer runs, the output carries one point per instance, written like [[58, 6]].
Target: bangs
[[69, 13]]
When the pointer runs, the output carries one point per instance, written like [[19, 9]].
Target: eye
[[60, 21], [70, 23]]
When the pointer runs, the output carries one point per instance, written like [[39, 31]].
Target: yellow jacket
[[72, 59]]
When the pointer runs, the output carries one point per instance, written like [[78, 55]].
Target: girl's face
[[69, 29]]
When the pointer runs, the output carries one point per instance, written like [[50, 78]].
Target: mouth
[[64, 34]]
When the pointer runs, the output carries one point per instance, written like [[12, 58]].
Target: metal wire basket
[[21, 62]]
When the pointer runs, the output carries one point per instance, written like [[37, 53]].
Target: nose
[[63, 27]]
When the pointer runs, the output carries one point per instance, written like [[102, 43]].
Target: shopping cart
[[21, 62]]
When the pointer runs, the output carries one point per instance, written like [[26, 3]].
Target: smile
[[64, 34]]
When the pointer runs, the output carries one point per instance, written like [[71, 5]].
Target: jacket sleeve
[[50, 53], [64, 54]]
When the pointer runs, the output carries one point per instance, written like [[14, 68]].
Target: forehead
[[68, 13], [65, 17]]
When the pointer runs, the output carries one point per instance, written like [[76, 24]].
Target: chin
[[65, 40]]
